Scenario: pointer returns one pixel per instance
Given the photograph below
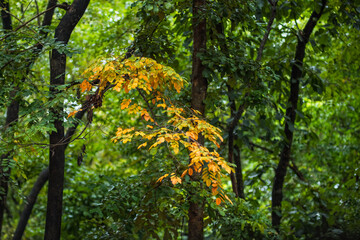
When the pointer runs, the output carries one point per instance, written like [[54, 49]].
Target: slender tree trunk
[[31, 199], [41, 180], [57, 138], [12, 114], [285, 156], [13, 109], [44, 175], [233, 179], [273, 4], [236, 179], [238, 173], [198, 95]]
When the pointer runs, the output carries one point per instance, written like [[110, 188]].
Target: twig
[[268, 29], [147, 103]]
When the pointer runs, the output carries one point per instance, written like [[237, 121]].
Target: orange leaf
[[125, 103], [192, 135], [218, 201], [85, 86], [72, 113], [175, 180], [184, 173], [191, 171]]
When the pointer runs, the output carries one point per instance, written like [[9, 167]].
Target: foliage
[[141, 189], [151, 80]]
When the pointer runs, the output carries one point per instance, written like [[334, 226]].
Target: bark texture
[[238, 173], [57, 138], [296, 75], [198, 95], [12, 114]]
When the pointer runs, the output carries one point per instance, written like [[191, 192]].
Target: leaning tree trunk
[[57, 141], [296, 74], [198, 95]]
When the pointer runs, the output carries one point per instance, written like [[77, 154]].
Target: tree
[[242, 54], [57, 138], [198, 95], [12, 114], [296, 74]]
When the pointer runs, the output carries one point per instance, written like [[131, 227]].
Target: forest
[[178, 119]]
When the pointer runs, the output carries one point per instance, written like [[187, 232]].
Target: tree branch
[[268, 29]]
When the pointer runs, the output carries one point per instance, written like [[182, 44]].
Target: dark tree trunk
[[5, 15], [233, 156], [285, 155], [231, 160], [198, 95], [57, 138], [12, 114], [41, 180], [238, 173], [13, 109], [30, 201], [236, 179]]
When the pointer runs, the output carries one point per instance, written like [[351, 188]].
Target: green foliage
[[114, 194]]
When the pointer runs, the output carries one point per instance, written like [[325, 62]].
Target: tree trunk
[[198, 95], [268, 29], [41, 180], [238, 173], [12, 114], [30, 201], [57, 141], [13, 109], [285, 155]]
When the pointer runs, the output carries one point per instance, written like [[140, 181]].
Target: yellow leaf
[[196, 111], [229, 200], [125, 103], [177, 87], [97, 69], [161, 178], [143, 77], [175, 147], [218, 201], [85, 86], [175, 180], [192, 135], [162, 105], [148, 126], [142, 145], [208, 182]]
